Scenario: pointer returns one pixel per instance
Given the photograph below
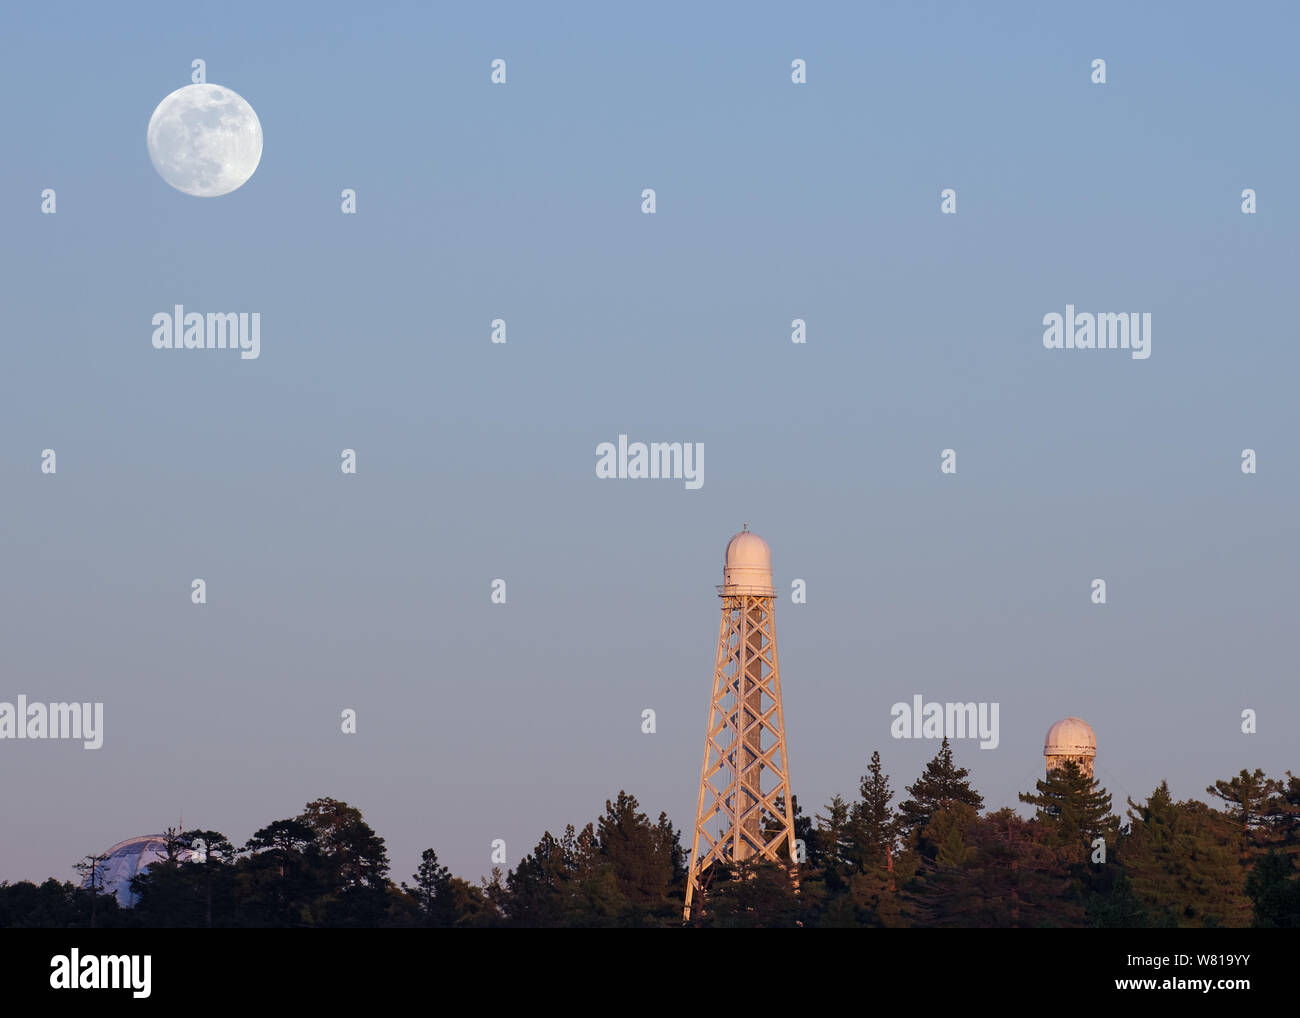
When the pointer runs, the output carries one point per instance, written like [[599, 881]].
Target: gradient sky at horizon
[[476, 461]]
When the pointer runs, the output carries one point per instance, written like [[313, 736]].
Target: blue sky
[[476, 461]]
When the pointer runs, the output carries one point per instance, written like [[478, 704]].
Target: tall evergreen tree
[[1284, 816], [992, 871], [1113, 904], [1274, 890], [495, 895], [1251, 800], [672, 837], [832, 846], [216, 855], [621, 871], [873, 826], [1181, 859], [348, 844], [941, 785], [755, 893], [279, 877], [92, 872], [433, 891], [1074, 810], [352, 865], [643, 857], [540, 887]]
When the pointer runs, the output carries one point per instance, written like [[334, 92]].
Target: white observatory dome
[[1070, 737], [127, 858], [747, 565]]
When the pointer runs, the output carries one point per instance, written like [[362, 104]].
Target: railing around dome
[[741, 589]]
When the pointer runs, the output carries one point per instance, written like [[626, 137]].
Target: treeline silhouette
[[932, 860]]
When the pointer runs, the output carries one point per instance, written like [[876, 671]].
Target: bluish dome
[[127, 858]]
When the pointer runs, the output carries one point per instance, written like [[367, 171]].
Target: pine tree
[[433, 891], [495, 895], [539, 888], [873, 827], [992, 871], [1112, 903], [1074, 810], [1251, 799], [755, 893], [876, 898], [642, 857], [280, 876], [91, 869], [1181, 858], [941, 785], [621, 871], [832, 845], [353, 864], [952, 850], [214, 852], [1284, 816], [672, 838], [1274, 890]]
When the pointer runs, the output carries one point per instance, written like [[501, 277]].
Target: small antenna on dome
[[746, 527]]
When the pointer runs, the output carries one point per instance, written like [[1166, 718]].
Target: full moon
[[204, 140]]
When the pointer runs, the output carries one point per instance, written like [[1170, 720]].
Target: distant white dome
[[127, 858], [747, 565], [1070, 737]]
